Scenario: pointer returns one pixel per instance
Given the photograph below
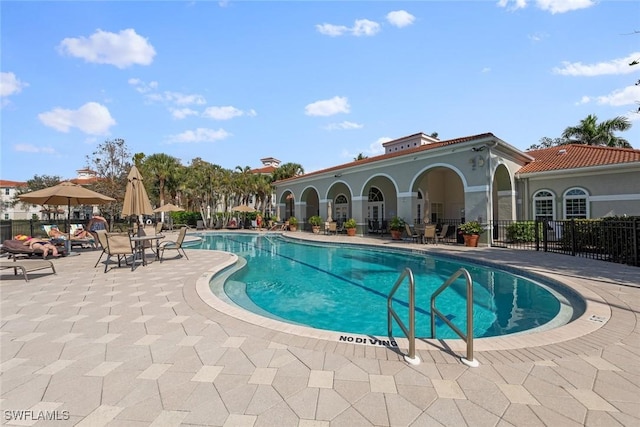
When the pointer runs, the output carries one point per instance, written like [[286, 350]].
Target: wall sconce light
[[338, 175], [476, 149]]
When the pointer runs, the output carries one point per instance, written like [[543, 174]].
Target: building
[[8, 191], [479, 177]]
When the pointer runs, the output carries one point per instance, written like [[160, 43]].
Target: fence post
[[636, 254], [536, 233], [31, 227], [574, 239]]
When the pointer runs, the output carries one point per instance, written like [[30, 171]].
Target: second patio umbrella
[[169, 207], [136, 201]]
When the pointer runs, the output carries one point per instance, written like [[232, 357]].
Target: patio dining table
[[140, 246]]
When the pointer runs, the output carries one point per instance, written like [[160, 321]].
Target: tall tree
[[360, 156], [162, 167], [111, 161], [288, 170], [38, 182], [590, 132]]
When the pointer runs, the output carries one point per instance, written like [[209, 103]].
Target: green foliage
[[472, 227], [524, 231], [186, 217], [350, 223], [293, 221], [315, 220], [397, 223]]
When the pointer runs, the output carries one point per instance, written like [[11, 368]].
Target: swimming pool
[[344, 288]]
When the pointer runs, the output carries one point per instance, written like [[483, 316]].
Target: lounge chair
[[177, 244], [413, 235], [119, 245], [331, 227], [18, 248], [285, 226], [27, 266], [430, 234]]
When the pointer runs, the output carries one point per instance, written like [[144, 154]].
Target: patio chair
[[443, 232], [101, 235], [177, 244], [26, 266], [331, 227], [119, 245], [413, 235], [159, 227], [430, 234]]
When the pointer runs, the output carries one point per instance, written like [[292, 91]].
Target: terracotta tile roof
[[398, 153], [268, 170], [574, 156], [4, 183]]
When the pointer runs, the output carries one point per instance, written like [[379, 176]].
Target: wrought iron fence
[[607, 239]]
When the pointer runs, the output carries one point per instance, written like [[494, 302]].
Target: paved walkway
[[142, 348]]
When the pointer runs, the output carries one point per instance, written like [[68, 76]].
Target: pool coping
[[597, 311]]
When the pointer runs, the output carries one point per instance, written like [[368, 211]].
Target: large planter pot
[[351, 231], [316, 229], [471, 240], [293, 228], [396, 234]]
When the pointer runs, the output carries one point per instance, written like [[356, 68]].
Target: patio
[[142, 348]]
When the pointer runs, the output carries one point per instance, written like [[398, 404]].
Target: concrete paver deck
[[143, 348]]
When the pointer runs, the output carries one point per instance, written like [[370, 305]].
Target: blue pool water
[[344, 288]]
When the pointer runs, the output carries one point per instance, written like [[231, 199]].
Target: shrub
[[350, 223], [315, 220]]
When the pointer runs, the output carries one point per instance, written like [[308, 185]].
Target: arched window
[[341, 207], [544, 205], [575, 204], [375, 195]]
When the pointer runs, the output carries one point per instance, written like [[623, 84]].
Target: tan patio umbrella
[[169, 207], [136, 200], [243, 208], [66, 193]]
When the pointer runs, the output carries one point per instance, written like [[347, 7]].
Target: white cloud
[[537, 37], [143, 87], [332, 30], [627, 96], [364, 27], [92, 118], [200, 135], [361, 27], [614, 66], [400, 18], [562, 6], [328, 107], [121, 50], [486, 70], [374, 149], [29, 148], [181, 113], [226, 113], [553, 6], [10, 84], [343, 125]]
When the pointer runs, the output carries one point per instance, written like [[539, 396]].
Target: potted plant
[[293, 223], [316, 222], [471, 232], [397, 227], [350, 226]]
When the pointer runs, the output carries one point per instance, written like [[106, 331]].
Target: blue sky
[[314, 83]]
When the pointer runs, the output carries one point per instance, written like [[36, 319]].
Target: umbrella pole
[[67, 244]]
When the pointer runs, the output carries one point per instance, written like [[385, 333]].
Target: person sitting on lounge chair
[[44, 245], [55, 233], [81, 233]]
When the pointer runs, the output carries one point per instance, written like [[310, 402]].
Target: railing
[[607, 239], [410, 333], [468, 337]]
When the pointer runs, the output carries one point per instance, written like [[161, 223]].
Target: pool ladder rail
[[410, 332]]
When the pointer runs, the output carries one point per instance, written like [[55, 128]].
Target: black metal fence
[[607, 239]]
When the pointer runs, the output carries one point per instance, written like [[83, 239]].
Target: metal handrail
[[468, 337], [411, 332]]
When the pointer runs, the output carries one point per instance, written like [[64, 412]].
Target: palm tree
[[162, 167], [288, 170], [590, 132], [360, 156]]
